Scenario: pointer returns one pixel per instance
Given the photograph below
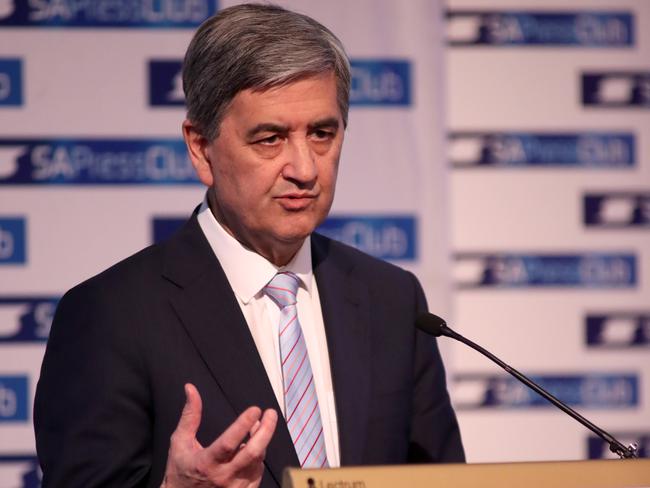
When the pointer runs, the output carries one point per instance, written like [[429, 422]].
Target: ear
[[197, 148]]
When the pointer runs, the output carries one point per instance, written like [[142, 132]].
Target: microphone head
[[431, 324]]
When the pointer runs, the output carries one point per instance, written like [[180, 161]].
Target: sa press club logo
[[617, 209], [166, 83], [13, 240], [375, 82], [11, 82], [588, 270], [95, 162], [380, 82], [484, 391], [26, 319], [542, 149], [162, 228], [531, 28], [616, 89], [20, 471], [384, 237], [13, 398], [104, 13], [617, 330]]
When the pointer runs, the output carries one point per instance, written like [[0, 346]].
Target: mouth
[[296, 201]]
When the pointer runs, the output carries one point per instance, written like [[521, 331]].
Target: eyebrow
[[329, 122], [265, 127]]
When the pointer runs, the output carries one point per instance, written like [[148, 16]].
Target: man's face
[[272, 169]]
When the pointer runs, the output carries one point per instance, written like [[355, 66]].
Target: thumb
[[190, 419]]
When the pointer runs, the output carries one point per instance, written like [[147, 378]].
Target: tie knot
[[283, 288]]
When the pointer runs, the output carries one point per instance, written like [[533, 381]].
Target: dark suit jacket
[[125, 342]]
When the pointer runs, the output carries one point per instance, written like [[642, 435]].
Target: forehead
[[308, 98]]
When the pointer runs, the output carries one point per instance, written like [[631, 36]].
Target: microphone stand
[[614, 445]]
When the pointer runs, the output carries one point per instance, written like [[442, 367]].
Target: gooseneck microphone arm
[[435, 326]]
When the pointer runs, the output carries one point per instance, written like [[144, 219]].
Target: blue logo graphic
[[106, 13], [26, 319], [473, 391], [515, 28], [374, 82], [11, 82], [166, 83], [391, 237], [599, 449], [384, 237], [589, 270], [617, 209], [618, 330], [525, 149], [164, 227], [20, 471], [95, 162], [616, 89], [13, 240], [13, 398], [380, 82]]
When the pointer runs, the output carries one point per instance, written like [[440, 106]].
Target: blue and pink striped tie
[[300, 401]]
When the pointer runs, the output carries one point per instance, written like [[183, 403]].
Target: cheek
[[330, 166], [237, 177], [328, 174], [248, 191]]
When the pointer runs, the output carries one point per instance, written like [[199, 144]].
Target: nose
[[301, 165]]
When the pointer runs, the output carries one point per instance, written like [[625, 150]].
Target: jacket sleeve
[[91, 422]]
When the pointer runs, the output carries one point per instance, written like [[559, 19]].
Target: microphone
[[436, 326]]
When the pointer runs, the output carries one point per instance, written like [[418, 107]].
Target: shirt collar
[[247, 271]]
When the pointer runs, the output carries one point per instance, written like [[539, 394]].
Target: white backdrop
[[558, 288], [539, 108], [90, 158]]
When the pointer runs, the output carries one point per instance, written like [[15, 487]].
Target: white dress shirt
[[248, 273]]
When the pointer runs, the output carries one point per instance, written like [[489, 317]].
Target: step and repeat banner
[[93, 167], [520, 195], [549, 145]]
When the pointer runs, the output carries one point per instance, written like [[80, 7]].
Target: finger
[[227, 444], [251, 432], [254, 429], [255, 449], [190, 419]]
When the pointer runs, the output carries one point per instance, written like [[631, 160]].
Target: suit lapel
[[209, 311], [346, 313]]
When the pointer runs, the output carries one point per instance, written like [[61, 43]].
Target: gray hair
[[258, 47]]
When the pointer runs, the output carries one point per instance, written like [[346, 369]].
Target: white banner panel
[[549, 130], [92, 165]]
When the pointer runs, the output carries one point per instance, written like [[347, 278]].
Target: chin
[[293, 236], [295, 232]]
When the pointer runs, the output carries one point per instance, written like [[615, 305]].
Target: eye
[[269, 141], [323, 135]]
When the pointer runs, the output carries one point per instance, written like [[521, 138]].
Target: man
[[244, 305]]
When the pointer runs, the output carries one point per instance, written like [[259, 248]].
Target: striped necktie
[[300, 401]]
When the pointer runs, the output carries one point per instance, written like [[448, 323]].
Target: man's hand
[[227, 462]]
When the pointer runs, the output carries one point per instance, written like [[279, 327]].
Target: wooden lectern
[[628, 473]]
